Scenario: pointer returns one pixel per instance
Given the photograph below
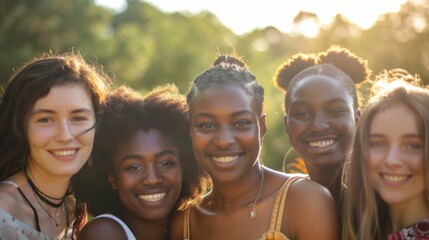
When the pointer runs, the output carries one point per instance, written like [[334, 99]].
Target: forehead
[[319, 89], [143, 142], [65, 96], [223, 98], [396, 119]]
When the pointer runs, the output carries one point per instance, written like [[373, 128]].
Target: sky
[[243, 16]]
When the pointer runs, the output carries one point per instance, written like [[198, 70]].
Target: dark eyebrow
[[209, 115], [43, 110], [141, 157], [166, 152]]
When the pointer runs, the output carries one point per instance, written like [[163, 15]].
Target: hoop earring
[[285, 158]]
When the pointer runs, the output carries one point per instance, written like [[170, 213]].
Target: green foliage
[[143, 46]]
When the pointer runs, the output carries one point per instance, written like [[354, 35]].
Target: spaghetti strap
[[278, 209], [186, 227]]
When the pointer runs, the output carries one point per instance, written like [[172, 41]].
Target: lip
[[321, 144], [64, 154], [153, 199], [225, 158], [394, 179]]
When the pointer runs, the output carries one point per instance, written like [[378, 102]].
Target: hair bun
[[347, 62], [228, 59], [289, 69]]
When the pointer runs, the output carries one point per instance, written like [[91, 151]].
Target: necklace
[[252, 213], [43, 196], [57, 218]]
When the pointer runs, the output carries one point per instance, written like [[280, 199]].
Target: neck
[[406, 214], [53, 186], [326, 177], [240, 192]]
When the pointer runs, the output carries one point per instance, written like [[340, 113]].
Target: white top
[[130, 235]]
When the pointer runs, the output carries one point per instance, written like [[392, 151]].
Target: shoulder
[[311, 208], [102, 228], [9, 200]]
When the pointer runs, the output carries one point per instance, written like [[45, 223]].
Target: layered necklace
[[39, 195], [252, 205]]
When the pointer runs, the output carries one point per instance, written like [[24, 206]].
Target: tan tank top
[[274, 232]]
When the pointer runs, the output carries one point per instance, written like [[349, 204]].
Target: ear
[[112, 181], [263, 125], [285, 123], [357, 117]]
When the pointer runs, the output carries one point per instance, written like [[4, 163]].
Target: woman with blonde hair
[[386, 175]]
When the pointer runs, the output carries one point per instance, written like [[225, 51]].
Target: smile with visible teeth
[[225, 159], [64, 153], [321, 144], [394, 178], [152, 197]]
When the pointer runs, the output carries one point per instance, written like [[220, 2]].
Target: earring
[[89, 162]]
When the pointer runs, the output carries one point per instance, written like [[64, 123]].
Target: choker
[[43, 196]]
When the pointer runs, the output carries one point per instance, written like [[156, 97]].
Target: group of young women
[[166, 166]]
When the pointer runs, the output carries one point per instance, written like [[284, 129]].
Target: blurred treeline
[[142, 46]]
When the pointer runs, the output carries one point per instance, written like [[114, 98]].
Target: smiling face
[[226, 131], [59, 131], [147, 175], [396, 155], [320, 121]]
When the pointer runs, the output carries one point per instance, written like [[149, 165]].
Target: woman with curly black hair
[[143, 166]]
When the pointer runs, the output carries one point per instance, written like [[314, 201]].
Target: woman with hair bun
[[247, 200], [321, 110]]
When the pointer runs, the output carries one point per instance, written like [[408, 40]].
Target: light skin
[[226, 131], [60, 139], [147, 176], [396, 164], [320, 122]]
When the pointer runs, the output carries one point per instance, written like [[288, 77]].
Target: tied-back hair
[[127, 112], [227, 70], [366, 215], [33, 81], [337, 62]]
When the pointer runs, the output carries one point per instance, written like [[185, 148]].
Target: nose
[[320, 123], [394, 157], [153, 176], [65, 132], [224, 137]]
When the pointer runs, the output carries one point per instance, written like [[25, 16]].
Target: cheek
[[375, 159], [416, 164]]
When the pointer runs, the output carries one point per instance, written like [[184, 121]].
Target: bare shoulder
[[175, 229], [312, 210], [102, 228], [9, 200], [304, 188]]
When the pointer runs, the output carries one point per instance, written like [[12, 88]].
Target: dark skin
[[147, 177], [320, 123], [225, 129]]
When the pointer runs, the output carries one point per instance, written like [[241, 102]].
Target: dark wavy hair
[[31, 82], [163, 109]]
